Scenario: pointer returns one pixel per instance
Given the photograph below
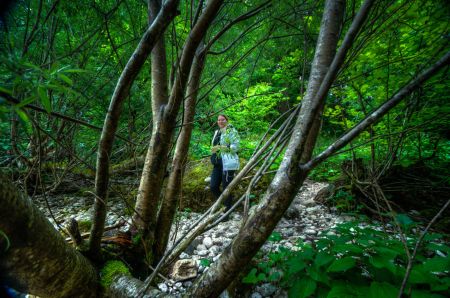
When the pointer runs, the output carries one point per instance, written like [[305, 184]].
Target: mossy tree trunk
[[34, 257]]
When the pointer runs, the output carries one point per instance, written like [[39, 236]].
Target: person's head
[[222, 121]]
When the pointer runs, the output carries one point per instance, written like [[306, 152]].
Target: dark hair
[[223, 115]]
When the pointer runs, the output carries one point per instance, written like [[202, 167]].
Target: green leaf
[[45, 101], [382, 261], [303, 288], [74, 70], [343, 248], [340, 290], [317, 274], [275, 237], [342, 264], [436, 264], [251, 277], [296, 265], [382, 290], [323, 258], [25, 102], [425, 294], [275, 276], [205, 262], [404, 220], [65, 79], [22, 115], [4, 90]]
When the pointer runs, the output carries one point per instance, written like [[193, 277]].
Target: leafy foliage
[[358, 261]]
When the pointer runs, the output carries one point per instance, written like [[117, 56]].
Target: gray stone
[[308, 203], [256, 295], [266, 289], [187, 284]]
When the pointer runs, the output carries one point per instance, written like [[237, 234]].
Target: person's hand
[[217, 148]]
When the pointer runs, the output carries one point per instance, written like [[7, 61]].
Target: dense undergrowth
[[359, 260]]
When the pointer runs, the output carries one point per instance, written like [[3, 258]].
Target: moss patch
[[110, 270], [195, 194]]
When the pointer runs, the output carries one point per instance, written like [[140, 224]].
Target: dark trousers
[[218, 176]]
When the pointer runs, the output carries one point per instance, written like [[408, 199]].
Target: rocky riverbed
[[305, 219]]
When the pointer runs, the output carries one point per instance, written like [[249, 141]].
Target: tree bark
[[148, 198], [121, 92], [286, 182], [172, 192], [38, 260]]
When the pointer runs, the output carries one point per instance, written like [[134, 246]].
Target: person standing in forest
[[225, 144]]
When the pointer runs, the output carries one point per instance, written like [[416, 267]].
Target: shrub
[[357, 262]]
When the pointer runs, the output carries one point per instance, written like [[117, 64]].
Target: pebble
[[207, 242], [306, 220]]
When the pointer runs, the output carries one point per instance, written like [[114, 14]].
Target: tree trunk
[[148, 198], [174, 184], [287, 181], [121, 92], [34, 256]]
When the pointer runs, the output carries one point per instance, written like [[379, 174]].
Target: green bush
[[358, 262]]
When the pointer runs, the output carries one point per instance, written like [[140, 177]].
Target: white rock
[[201, 247], [203, 253], [214, 249], [207, 242], [256, 295], [310, 232], [218, 241], [184, 255], [163, 287]]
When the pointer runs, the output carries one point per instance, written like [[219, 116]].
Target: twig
[[416, 247]]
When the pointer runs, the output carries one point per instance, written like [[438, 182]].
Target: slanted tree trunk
[[286, 182], [34, 258], [171, 195], [148, 198], [121, 92]]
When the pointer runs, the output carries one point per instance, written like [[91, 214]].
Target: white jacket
[[230, 139]]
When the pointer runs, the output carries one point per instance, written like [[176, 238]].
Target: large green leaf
[[437, 264], [382, 290], [340, 290], [303, 288], [382, 261], [45, 101], [342, 264], [323, 258], [65, 79]]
